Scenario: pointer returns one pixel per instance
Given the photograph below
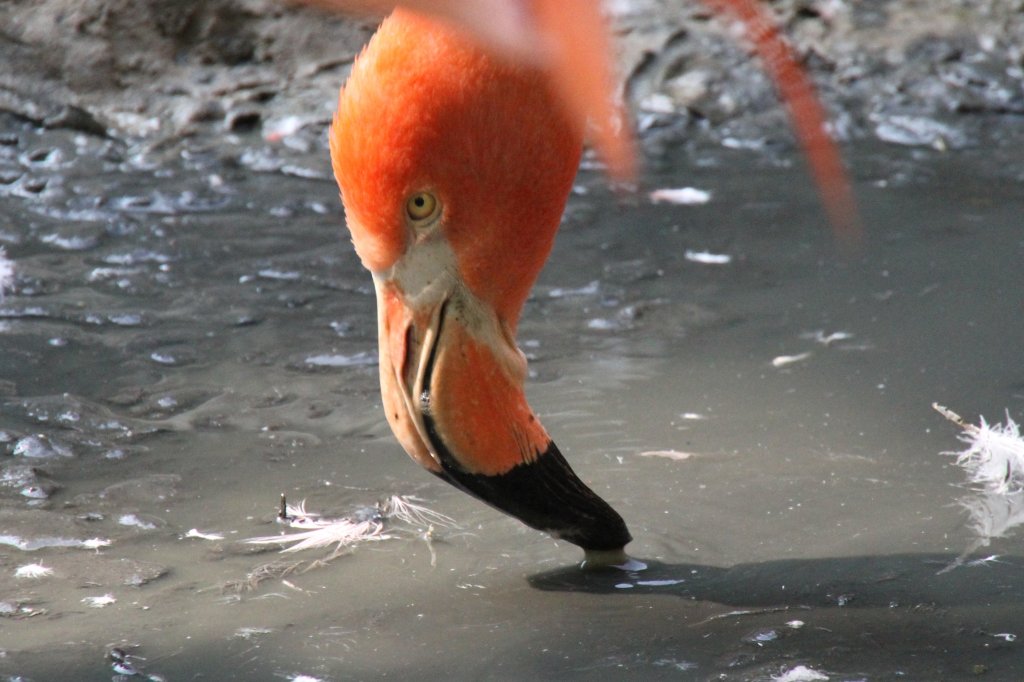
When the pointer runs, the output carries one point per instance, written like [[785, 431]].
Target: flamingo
[[454, 169], [455, 157]]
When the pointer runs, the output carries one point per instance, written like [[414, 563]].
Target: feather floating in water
[[994, 463], [994, 457]]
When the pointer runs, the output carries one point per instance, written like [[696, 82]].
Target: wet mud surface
[[189, 335]]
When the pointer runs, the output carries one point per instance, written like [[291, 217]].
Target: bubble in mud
[[30, 186], [43, 158], [603, 324], [35, 492], [761, 637], [9, 176], [134, 520], [123, 667], [919, 131], [18, 475], [40, 447], [67, 241], [136, 257], [173, 355], [126, 319]]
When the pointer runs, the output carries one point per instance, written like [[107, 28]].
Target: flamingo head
[[454, 168], [437, 146]]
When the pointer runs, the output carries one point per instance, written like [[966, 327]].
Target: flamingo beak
[[451, 380], [408, 339]]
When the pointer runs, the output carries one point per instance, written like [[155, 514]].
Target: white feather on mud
[[365, 525], [33, 571], [339, 532]]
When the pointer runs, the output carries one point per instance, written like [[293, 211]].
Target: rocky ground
[[159, 71], [914, 72]]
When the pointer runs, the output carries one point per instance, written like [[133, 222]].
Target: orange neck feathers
[[426, 110]]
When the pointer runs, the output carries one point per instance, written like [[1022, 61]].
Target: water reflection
[[886, 581], [990, 516]]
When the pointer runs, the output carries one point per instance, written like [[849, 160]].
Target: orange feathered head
[[426, 110]]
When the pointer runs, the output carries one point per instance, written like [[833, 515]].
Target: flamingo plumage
[[454, 169], [455, 157]]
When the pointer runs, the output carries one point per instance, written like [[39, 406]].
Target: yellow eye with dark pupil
[[421, 206]]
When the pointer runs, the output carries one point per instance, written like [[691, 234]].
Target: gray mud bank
[[932, 72]]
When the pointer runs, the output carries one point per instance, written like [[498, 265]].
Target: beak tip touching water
[[494, 145], [466, 400], [546, 494]]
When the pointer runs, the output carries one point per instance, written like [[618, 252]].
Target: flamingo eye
[[422, 207]]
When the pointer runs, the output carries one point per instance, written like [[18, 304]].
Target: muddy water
[[190, 336]]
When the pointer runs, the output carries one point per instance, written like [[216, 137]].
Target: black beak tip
[[546, 494]]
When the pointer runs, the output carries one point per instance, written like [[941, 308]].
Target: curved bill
[[452, 386]]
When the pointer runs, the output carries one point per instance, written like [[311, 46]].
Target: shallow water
[[191, 336]]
